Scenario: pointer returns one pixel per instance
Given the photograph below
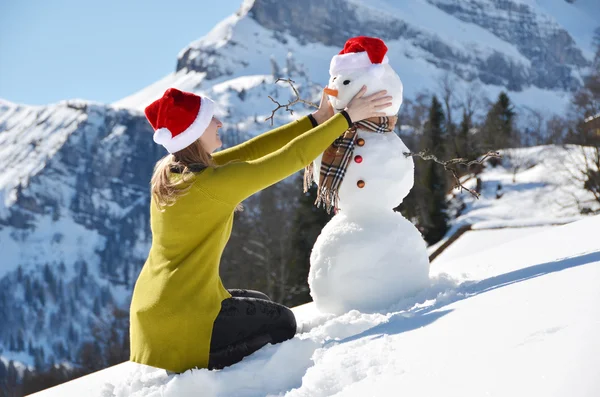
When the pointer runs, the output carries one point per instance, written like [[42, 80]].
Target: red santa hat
[[179, 118], [361, 52]]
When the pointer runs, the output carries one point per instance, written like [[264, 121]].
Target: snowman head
[[363, 62]]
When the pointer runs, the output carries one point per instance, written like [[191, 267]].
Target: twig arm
[[287, 106], [425, 155]]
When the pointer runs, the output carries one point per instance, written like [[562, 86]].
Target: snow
[[183, 80], [21, 361], [518, 319], [466, 37], [479, 240], [30, 137], [538, 188], [243, 48], [367, 262], [52, 242], [30, 142], [242, 83], [46, 232], [578, 18]]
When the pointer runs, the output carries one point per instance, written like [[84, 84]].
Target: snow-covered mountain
[[537, 50], [518, 319], [73, 221], [74, 183]]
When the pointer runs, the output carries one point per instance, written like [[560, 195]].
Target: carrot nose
[[331, 91]]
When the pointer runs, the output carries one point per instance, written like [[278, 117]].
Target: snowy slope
[[537, 186], [483, 239], [520, 319], [538, 190]]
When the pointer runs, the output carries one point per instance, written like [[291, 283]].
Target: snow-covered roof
[[595, 118]]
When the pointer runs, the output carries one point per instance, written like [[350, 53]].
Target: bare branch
[[425, 155], [290, 103]]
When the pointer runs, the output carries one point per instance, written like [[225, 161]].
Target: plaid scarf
[[336, 159]]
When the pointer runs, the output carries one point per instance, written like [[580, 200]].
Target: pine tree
[[20, 274], [12, 376], [465, 143], [28, 291], [3, 371], [434, 132], [596, 45], [38, 361], [20, 341], [434, 179], [498, 131], [275, 71], [96, 308]]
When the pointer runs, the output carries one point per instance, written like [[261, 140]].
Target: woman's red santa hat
[[179, 118], [360, 52]]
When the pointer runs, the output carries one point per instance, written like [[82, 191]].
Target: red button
[[358, 159]]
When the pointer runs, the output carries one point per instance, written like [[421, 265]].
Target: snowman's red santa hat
[[361, 52], [179, 118]]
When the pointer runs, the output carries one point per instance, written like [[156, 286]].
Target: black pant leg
[[244, 325], [248, 293], [236, 352]]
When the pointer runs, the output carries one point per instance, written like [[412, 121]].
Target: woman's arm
[[237, 181], [268, 142], [265, 143]]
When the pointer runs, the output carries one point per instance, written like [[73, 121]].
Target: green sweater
[[178, 293]]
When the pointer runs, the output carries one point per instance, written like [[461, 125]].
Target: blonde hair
[[166, 190]]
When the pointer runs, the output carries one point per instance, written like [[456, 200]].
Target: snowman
[[367, 257]]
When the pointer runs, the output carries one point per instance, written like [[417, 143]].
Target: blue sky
[[52, 50]]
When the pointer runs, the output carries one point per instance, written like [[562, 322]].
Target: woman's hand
[[325, 111], [362, 107]]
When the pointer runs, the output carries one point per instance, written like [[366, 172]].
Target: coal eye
[[346, 82]]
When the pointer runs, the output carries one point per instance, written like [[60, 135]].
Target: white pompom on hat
[[361, 52], [179, 118]]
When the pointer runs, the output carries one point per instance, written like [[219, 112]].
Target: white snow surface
[[479, 240], [518, 319]]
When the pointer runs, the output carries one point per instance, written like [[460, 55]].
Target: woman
[[181, 315]]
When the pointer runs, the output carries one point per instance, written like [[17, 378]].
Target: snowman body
[[367, 262], [378, 162], [369, 257]]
